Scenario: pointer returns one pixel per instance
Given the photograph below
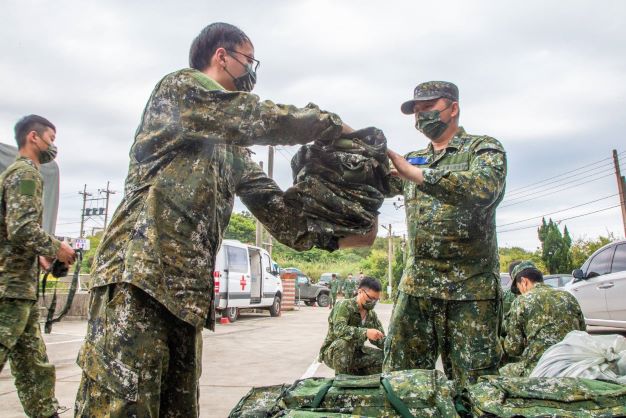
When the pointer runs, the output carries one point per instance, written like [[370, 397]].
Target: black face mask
[[246, 81], [430, 124]]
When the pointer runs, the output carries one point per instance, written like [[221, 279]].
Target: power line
[[565, 173], [559, 182], [558, 221], [556, 191], [558, 211]]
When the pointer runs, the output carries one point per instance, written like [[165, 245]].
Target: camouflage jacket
[[186, 165], [451, 218], [336, 285], [539, 319], [22, 238], [344, 322]]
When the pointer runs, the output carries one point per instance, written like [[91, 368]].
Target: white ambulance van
[[245, 277]]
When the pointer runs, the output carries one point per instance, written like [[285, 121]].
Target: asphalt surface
[[256, 350]]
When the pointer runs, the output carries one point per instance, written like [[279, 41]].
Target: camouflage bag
[[545, 396], [261, 402], [407, 393], [342, 184]]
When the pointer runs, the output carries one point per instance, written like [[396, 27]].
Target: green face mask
[[430, 124], [48, 154], [369, 305]]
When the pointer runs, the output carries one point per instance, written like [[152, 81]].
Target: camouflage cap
[[524, 265], [431, 90]]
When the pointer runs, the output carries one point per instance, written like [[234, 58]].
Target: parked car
[[325, 279], [557, 280], [600, 286], [308, 291], [505, 281]]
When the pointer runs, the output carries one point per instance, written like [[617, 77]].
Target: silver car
[[600, 286]]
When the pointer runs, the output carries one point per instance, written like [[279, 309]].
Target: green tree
[[583, 248], [242, 227], [555, 247]]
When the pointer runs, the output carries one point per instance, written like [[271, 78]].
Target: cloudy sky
[[548, 79]]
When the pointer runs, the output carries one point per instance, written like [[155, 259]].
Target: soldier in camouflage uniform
[[350, 323], [335, 285], [151, 282], [449, 295], [539, 318], [22, 240]]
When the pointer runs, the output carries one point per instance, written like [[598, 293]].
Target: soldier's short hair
[[370, 283], [31, 123], [531, 274], [214, 36]]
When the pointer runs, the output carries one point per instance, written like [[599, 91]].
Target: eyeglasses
[[252, 61], [371, 299]]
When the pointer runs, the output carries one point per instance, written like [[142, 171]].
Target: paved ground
[[257, 350]]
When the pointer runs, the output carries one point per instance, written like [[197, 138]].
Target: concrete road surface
[[256, 350]]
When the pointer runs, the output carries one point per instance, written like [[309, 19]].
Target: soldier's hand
[[374, 334], [45, 262], [405, 169], [66, 254]]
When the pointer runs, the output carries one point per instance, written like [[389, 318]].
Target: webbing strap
[[320, 394], [396, 402], [70, 297]]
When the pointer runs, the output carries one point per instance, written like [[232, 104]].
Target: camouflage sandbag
[[546, 396], [308, 414], [342, 184], [407, 393], [261, 402]]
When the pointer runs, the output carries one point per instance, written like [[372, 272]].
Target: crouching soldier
[[350, 324], [539, 318]]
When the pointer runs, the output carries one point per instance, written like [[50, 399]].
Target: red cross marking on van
[[243, 282]]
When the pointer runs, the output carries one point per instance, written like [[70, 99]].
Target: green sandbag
[[407, 393], [261, 402], [546, 396]]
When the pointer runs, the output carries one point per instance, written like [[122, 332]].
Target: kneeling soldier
[[539, 318], [351, 322]]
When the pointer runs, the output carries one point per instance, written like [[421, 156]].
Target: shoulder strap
[[70, 297], [320, 394], [396, 402]]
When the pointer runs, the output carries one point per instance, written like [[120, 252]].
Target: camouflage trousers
[[346, 357], [333, 299], [22, 344], [464, 333], [138, 359]]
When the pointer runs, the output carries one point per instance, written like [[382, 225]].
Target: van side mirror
[[268, 269], [578, 274]]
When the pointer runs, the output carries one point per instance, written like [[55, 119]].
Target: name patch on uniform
[[27, 187], [417, 160]]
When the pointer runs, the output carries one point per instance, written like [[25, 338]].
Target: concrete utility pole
[[620, 188], [82, 214], [108, 192], [259, 230], [270, 174], [389, 259]]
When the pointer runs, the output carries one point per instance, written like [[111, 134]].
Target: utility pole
[[108, 192], [620, 188], [259, 231], [82, 214], [389, 259], [270, 174]]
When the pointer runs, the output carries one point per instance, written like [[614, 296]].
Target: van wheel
[[323, 300], [232, 314], [275, 308]]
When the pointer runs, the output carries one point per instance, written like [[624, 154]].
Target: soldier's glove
[[59, 269]]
